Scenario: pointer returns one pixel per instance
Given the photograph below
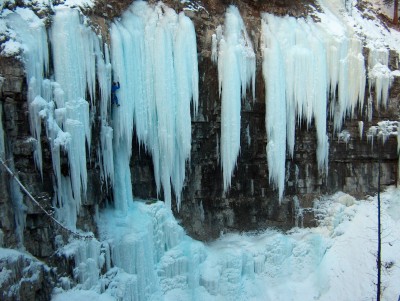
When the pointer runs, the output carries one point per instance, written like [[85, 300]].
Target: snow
[[153, 259], [43, 4], [80, 3], [81, 295], [17, 270], [384, 129], [236, 73]]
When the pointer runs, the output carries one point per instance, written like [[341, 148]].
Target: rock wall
[[24, 278]]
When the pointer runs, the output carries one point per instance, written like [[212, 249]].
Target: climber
[[114, 99]]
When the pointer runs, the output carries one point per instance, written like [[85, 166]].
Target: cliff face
[[251, 203]]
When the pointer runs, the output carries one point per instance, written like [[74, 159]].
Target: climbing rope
[[69, 231]]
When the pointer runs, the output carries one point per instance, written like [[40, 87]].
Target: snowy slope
[[155, 260]]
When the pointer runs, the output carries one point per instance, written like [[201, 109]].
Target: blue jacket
[[115, 87]]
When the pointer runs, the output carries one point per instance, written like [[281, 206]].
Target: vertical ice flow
[[379, 74], [62, 105], [76, 52], [154, 57], [236, 72], [31, 32], [315, 64], [275, 118]]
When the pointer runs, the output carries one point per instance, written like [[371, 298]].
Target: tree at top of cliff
[[395, 9]]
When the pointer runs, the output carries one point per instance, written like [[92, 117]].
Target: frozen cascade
[[31, 33], [304, 63], [154, 57], [73, 48], [379, 74], [106, 132], [145, 253], [236, 72], [295, 73], [78, 58], [350, 83], [275, 119], [62, 105], [147, 256]]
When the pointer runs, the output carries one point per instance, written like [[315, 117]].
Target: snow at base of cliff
[[154, 260]]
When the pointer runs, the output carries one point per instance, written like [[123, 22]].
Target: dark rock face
[[39, 233]]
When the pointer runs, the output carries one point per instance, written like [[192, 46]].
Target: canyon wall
[[206, 211]]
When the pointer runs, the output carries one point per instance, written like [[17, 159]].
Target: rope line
[[74, 233]]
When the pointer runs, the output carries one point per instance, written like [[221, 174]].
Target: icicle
[[214, 49], [186, 74], [236, 72], [275, 99], [104, 79], [248, 137], [72, 53], [107, 167], [361, 129]]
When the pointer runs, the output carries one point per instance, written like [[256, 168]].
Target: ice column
[[154, 57], [106, 132], [275, 98], [295, 74], [347, 73], [313, 62], [236, 72]]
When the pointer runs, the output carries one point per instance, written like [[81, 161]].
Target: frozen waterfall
[[233, 50], [158, 85], [311, 70], [154, 56], [303, 66], [61, 103]]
